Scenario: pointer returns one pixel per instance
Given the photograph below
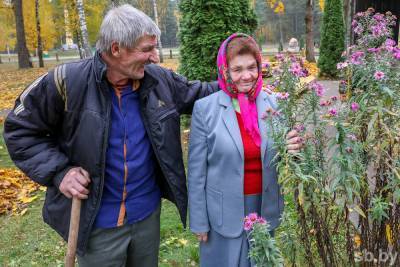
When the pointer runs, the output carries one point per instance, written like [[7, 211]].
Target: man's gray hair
[[124, 25]]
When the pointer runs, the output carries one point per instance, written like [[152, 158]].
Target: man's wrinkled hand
[[75, 182]]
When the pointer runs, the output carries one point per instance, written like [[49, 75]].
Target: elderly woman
[[231, 172]]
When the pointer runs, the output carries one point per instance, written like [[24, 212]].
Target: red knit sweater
[[252, 162]]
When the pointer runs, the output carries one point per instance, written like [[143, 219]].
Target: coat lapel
[[230, 120]]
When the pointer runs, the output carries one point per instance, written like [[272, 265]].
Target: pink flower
[[358, 30], [265, 65], [253, 217], [248, 225], [282, 96], [325, 103], [356, 57], [390, 42], [299, 128], [280, 57], [355, 106], [342, 65], [318, 88], [261, 220], [373, 50], [276, 113], [352, 137], [332, 112], [296, 69], [379, 75], [396, 53]]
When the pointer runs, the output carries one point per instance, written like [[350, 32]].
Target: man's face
[[131, 61]]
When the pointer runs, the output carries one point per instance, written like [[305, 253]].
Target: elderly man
[[107, 130]]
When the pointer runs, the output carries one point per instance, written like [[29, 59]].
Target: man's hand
[[202, 237], [294, 142], [75, 182]]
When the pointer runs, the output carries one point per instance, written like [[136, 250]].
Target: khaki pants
[[129, 245]]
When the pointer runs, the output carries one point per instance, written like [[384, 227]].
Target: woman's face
[[243, 70]]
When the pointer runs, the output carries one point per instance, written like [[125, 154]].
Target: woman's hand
[[293, 142], [202, 237]]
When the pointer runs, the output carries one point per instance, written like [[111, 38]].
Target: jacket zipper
[[105, 145], [145, 122]]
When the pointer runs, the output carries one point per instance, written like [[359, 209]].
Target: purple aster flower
[[396, 53], [378, 17], [325, 103], [318, 88], [299, 128], [333, 112], [296, 69], [355, 106], [390, 42], [379, 75], [265, 65], [356, 57], [342, 65], [261, 220], [358, 30], [352, 137], [282, 96], [374, 50], [280, 57], [247, 225]]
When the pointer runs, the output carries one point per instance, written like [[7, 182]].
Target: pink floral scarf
[[247, 101]]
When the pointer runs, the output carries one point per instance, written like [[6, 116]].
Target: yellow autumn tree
[[94, 10], [48, 31], [322, 4], [277, 5], [7, 29]]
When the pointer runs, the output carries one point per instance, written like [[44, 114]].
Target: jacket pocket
[[214, 206], [167, 113]]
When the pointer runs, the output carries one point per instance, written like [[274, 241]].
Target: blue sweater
[[130, 191]]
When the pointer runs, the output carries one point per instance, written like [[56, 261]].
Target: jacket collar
[[229, 118], [99, 66], [100, 69]]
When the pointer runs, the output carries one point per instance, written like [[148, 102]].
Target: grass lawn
[[5, 160], [27, 241]]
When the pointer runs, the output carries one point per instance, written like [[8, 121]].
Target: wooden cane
[[73, 232]]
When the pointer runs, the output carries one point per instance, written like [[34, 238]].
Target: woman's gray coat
[[216, 167]]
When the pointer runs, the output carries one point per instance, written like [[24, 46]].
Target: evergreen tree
[[169, 27], [203, 26], [332, 38]]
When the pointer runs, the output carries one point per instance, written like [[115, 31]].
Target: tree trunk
[[78, 42], [82, 23], [39, 37], [309, 19], [347, 20], [114, 3], [159, 39], [22, 50], [280, 49]]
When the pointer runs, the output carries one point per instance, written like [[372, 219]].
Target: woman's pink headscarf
[[247, 101]]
